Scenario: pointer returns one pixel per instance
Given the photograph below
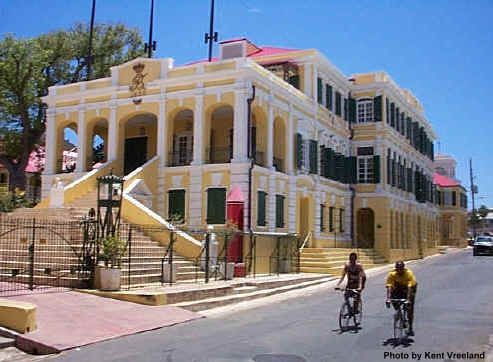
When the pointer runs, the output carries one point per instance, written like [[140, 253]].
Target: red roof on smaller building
[[235, 195], [444, 181]]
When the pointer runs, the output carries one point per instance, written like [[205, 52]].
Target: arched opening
[[279, 145], [67, 148], [366, 228], [259, 137], [182, 139], [221, 135], [98, 145], [140, 141]]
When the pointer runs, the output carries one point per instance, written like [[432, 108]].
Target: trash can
[[229, 272], [239, 270]]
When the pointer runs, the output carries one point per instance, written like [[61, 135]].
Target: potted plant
[[112, 249]]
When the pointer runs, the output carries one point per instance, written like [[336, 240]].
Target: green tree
[[29, 66]]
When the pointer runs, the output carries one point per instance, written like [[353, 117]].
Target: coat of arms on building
[[138, 87]]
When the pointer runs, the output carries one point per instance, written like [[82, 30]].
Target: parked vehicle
[[483, 245]]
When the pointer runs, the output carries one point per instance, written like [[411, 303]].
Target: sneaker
[[410, 333]]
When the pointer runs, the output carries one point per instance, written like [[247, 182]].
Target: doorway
[[366, 228], [135, 153]]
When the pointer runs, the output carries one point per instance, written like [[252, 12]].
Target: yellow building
[[451, 198], [340, 162]]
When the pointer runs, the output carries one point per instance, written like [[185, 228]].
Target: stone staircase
[[331, 260], [144, 266]]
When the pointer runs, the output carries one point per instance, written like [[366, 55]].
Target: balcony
[[180, 158], [219, 154]]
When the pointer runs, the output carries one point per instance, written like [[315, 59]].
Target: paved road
[[454, 313]]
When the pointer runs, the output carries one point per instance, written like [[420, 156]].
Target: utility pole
[[151, 45], [91, 31], [212, 36], [473, 191]]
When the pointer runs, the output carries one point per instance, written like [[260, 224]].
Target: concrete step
[[217, 301]]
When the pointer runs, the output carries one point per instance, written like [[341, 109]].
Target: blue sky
[[441, 50]]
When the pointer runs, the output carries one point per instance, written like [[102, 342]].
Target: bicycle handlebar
[[357, 291]]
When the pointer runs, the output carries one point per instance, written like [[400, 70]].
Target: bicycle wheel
[[358, 316], [399, 326], [344, 316]]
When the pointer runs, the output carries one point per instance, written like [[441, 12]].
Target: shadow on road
[[395, 342], [353, 329]]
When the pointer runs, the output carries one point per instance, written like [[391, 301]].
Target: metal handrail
[[306, 240]]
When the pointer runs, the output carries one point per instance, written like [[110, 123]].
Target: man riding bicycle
[[356, 278], [401, 284]]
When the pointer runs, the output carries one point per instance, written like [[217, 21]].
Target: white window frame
[[365, 169], [364, 110]]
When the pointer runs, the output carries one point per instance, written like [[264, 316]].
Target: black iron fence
[[37, 254], [219, 154]]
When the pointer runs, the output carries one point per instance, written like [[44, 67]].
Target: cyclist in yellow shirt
[[401, 284]]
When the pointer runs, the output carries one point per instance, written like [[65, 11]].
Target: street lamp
[[109, 204]]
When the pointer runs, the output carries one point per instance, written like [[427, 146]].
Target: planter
[[167, 275], [230, 269], [285, 266], [110, 279]]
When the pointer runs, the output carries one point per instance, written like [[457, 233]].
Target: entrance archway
[[140, 141], [366, 228]]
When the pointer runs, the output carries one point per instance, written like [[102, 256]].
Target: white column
[[82, 142], [195, 200], [270, 134], [198, 121], [162, 132], [51, 143], [291, 150], [240, 132], [112, 134]]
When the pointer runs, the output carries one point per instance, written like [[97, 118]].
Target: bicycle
[[346, 313], [401, 322]]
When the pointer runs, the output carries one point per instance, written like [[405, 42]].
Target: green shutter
[[454, 198], [279, 211], [331, 218], [376, 169], [409, 131], [299, 151], [397, 119], [329, 97], [313, 156], [338, 104], [345, 109], [319, 91], [332, 164], [377, 108], [387, 110], [352, 110], [176, 204], [216, 206], [322, 217], [294, 80], [392, 114], [261, 208]]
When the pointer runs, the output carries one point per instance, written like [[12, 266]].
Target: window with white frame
[[365, 110], [365, 165]]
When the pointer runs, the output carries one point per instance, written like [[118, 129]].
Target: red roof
[[262, 52], [236, 195], [444, 181]]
